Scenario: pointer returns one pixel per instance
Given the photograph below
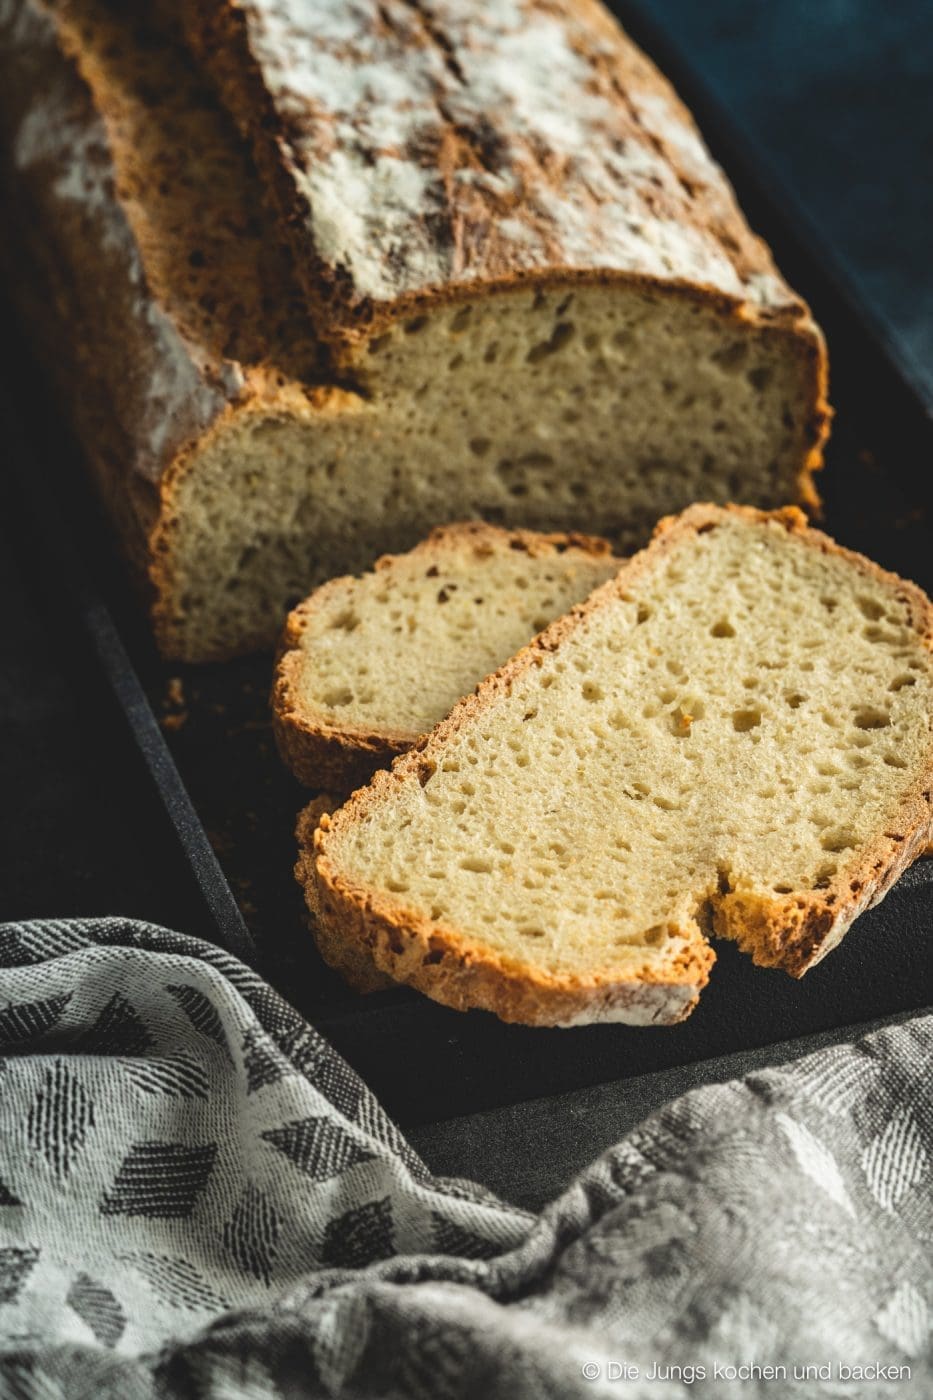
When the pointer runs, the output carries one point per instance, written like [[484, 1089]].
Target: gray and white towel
[[199, 1199]]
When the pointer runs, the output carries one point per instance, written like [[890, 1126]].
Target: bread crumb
[[174, 705]]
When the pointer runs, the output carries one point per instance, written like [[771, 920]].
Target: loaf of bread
[[731, 736], [517, 288], [368, 664]]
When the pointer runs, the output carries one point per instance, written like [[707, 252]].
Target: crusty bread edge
[[321, 754], [373, 943], [352, 961], [791, 932]]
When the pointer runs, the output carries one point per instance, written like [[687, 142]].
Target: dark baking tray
[[202, 735]]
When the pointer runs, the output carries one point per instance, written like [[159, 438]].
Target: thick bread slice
[[369, 664], [731, 736]]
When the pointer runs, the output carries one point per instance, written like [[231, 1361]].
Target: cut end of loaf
[[555, 409], [732, 734], [552, 104]]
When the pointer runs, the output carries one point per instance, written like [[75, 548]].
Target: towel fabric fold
[[199, 1198]]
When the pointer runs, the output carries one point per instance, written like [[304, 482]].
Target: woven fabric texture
[[199, 1198]]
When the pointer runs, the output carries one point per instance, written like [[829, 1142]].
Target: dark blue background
[[838, 96]]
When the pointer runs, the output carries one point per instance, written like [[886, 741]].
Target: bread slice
[[732, 736], [369, 664]]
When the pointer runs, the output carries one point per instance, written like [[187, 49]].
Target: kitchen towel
[[198, 1198]]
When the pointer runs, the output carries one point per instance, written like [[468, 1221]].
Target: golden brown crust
[[349, 960], [791, 932], [358, 929], [342, 757], [81, 284], [116, 242]]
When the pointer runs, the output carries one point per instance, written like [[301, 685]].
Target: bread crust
[[132, 352], [95, 284], [470, 230], [341, 757], [791, 932], [352, 962]]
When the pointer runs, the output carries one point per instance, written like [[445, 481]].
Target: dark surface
[[67, 845], [78, 838], [81, 729], [525, 1151], [63, 804]]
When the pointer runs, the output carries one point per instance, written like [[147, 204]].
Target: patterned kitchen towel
[[199, 1199]]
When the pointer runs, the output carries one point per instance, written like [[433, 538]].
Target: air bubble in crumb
[[870, 717], [744, 720], [336, 699], [477, 865]]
